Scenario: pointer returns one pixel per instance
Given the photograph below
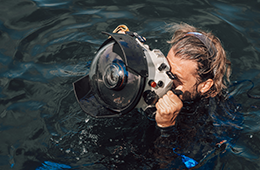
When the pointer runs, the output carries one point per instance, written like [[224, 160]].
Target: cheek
[[189, 86]]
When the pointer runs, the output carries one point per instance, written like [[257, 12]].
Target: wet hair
[[211, 65]]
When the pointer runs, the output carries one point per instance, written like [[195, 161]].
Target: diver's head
[[206, 57]]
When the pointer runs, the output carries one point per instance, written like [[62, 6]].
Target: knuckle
[[159, 101], [164, 97], [169, 92]]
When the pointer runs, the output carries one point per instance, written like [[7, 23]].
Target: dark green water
[[46, 45]]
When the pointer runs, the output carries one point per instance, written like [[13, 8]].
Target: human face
[[185, 72]]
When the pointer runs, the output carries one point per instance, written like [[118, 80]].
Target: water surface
[[46, 45]]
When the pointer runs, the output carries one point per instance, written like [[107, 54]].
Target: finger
[[172, 96], [163, 110], [171, 100], [161, 106], [174, 99], [167, 101], [169, 105]]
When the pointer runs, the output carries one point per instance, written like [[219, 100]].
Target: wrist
[[167, 131], [166, 124]]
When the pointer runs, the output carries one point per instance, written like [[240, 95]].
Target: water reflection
[[51, 4], [241, 17]]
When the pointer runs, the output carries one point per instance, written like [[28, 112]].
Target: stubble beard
[[191, 96]]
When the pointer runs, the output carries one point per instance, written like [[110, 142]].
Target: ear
[[205, 86]]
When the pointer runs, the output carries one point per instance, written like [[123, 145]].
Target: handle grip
[[177, 92]]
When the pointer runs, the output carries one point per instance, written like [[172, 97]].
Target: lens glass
[[112, 76]]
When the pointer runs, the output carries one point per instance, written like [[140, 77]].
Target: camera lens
[[112, 76], [115, 76]]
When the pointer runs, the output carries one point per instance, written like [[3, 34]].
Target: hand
[[168, 107]]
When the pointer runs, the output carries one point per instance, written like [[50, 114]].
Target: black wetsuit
[[203, 127]]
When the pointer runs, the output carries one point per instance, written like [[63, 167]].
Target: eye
[[177, 82], [171, 75]]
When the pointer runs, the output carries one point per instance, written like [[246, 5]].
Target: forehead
[[183, 67]]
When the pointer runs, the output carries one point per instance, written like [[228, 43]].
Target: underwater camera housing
[[125, 74]]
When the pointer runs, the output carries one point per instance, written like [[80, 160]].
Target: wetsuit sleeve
[[167, 131]]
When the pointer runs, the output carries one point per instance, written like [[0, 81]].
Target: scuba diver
[[185, 92], [203, 117]]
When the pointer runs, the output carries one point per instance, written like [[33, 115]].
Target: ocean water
[[46, 45]]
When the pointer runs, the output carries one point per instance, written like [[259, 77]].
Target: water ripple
[[29, 71], [25, 106], [241, 17], [87, 12], [49, 3], [47, 44]]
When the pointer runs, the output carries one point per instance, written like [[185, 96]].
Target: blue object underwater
[[188, 162], [47, 165]]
